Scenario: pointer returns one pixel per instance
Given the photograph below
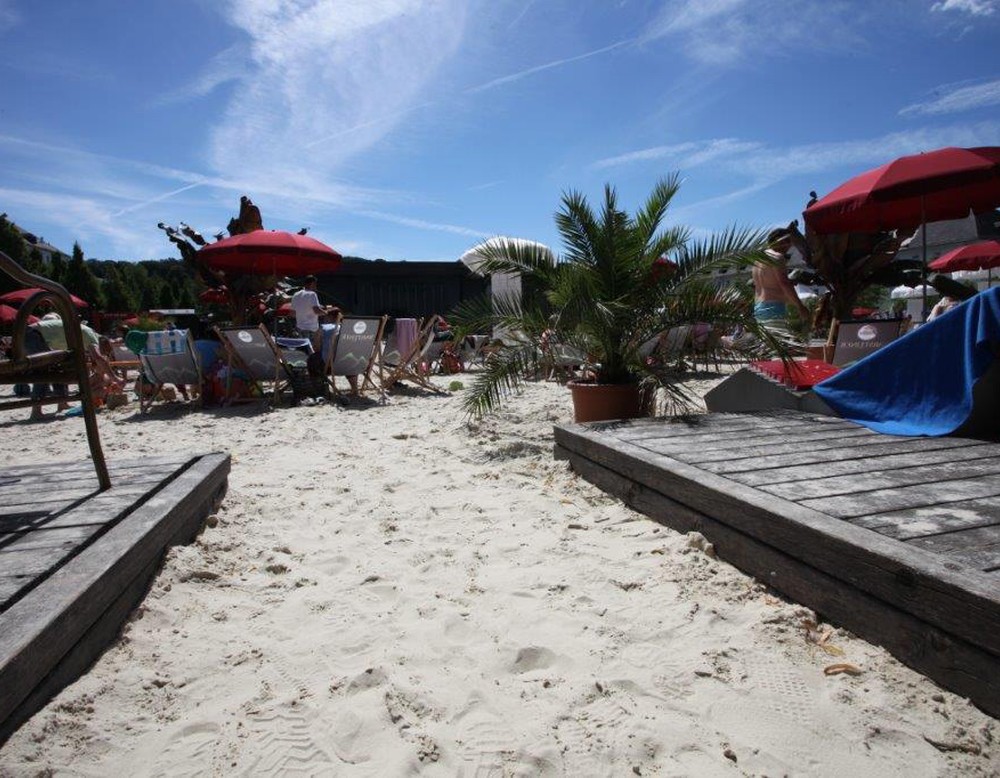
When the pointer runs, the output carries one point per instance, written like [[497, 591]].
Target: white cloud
[[684, 155], [777, 164], [724, 32], [765, 166], [960, 99], [973, 7], [547, 66], [227, 65], [327, 80], [9, 17]]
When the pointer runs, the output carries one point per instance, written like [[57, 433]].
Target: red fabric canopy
[[7, 315], [270, 252], [975, 256], [800, 375], [18, 296], [942, 184]]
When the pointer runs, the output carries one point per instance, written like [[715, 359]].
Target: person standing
[[305, 305], [773, 292], [49, 334]]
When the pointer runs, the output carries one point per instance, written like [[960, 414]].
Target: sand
[[393, 590]]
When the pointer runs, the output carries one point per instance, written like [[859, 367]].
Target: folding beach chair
[[123, 359], [473, 350], [169, 357], [355, 351], [253, 352], [405, 364], [62, 367]]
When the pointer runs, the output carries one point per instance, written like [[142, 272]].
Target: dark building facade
[[407, 289]]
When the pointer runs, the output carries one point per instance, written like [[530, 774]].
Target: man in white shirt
[[305, 304]]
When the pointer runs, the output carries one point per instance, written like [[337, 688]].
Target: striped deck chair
[[354, 351], [253, 352], [396, 366], [169, 357]]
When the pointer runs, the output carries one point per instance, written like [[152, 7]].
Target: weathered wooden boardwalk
[[75, 561], [896, 539]]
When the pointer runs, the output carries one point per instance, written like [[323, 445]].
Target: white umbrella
[[501, 284], [912, 293]]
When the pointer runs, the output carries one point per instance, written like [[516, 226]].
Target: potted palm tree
[[609, 297]]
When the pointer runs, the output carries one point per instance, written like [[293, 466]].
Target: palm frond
[[504, 372]]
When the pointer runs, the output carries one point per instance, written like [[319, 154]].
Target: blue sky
[[413, 129]]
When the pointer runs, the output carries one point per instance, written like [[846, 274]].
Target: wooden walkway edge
[[932, 610], [53, 630]]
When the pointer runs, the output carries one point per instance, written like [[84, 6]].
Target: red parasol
[[8, 314], [270, 252], [942, 184], [663, 267], [910, 191], [18, 296], [975, 256]]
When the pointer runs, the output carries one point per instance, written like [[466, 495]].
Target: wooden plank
[[45, 625], [28, 490], [979, 548], [884, 479], [953, 663], [932, 520], [726, 441], [863, 465], [905, 446], [82, 655], [86, 467], [918, 581], [916, 496], [692, 427], [838, 447], [38, 552]]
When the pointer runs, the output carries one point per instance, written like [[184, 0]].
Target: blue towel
[[922, 383]]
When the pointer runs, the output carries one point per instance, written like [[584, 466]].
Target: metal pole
[[923, 242]]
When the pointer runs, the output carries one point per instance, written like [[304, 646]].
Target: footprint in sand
[[532, 658], [485, 743], [189, 751]]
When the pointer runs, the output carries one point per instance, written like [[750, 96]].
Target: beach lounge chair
[[355, 351], [123, 359], [669, 346], [400, 362], [169, 357], [848, 342], [473, 350], [65, 367], [253, 352]]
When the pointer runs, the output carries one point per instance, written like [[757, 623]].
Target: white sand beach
[[394, 590]]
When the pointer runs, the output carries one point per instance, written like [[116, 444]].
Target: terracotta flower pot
[[604, 402]]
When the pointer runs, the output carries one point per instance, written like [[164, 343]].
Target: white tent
[[501, 284]]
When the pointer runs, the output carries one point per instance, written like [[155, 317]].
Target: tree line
[[113, 286]]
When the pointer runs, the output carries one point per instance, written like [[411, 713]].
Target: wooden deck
[[896, 539], [75, 561]]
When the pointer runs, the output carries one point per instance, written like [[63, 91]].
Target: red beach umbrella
[[984, 255], [975, 256], [8, 314], [663, 267], [270, 252], [912, 190], [18, 296]]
